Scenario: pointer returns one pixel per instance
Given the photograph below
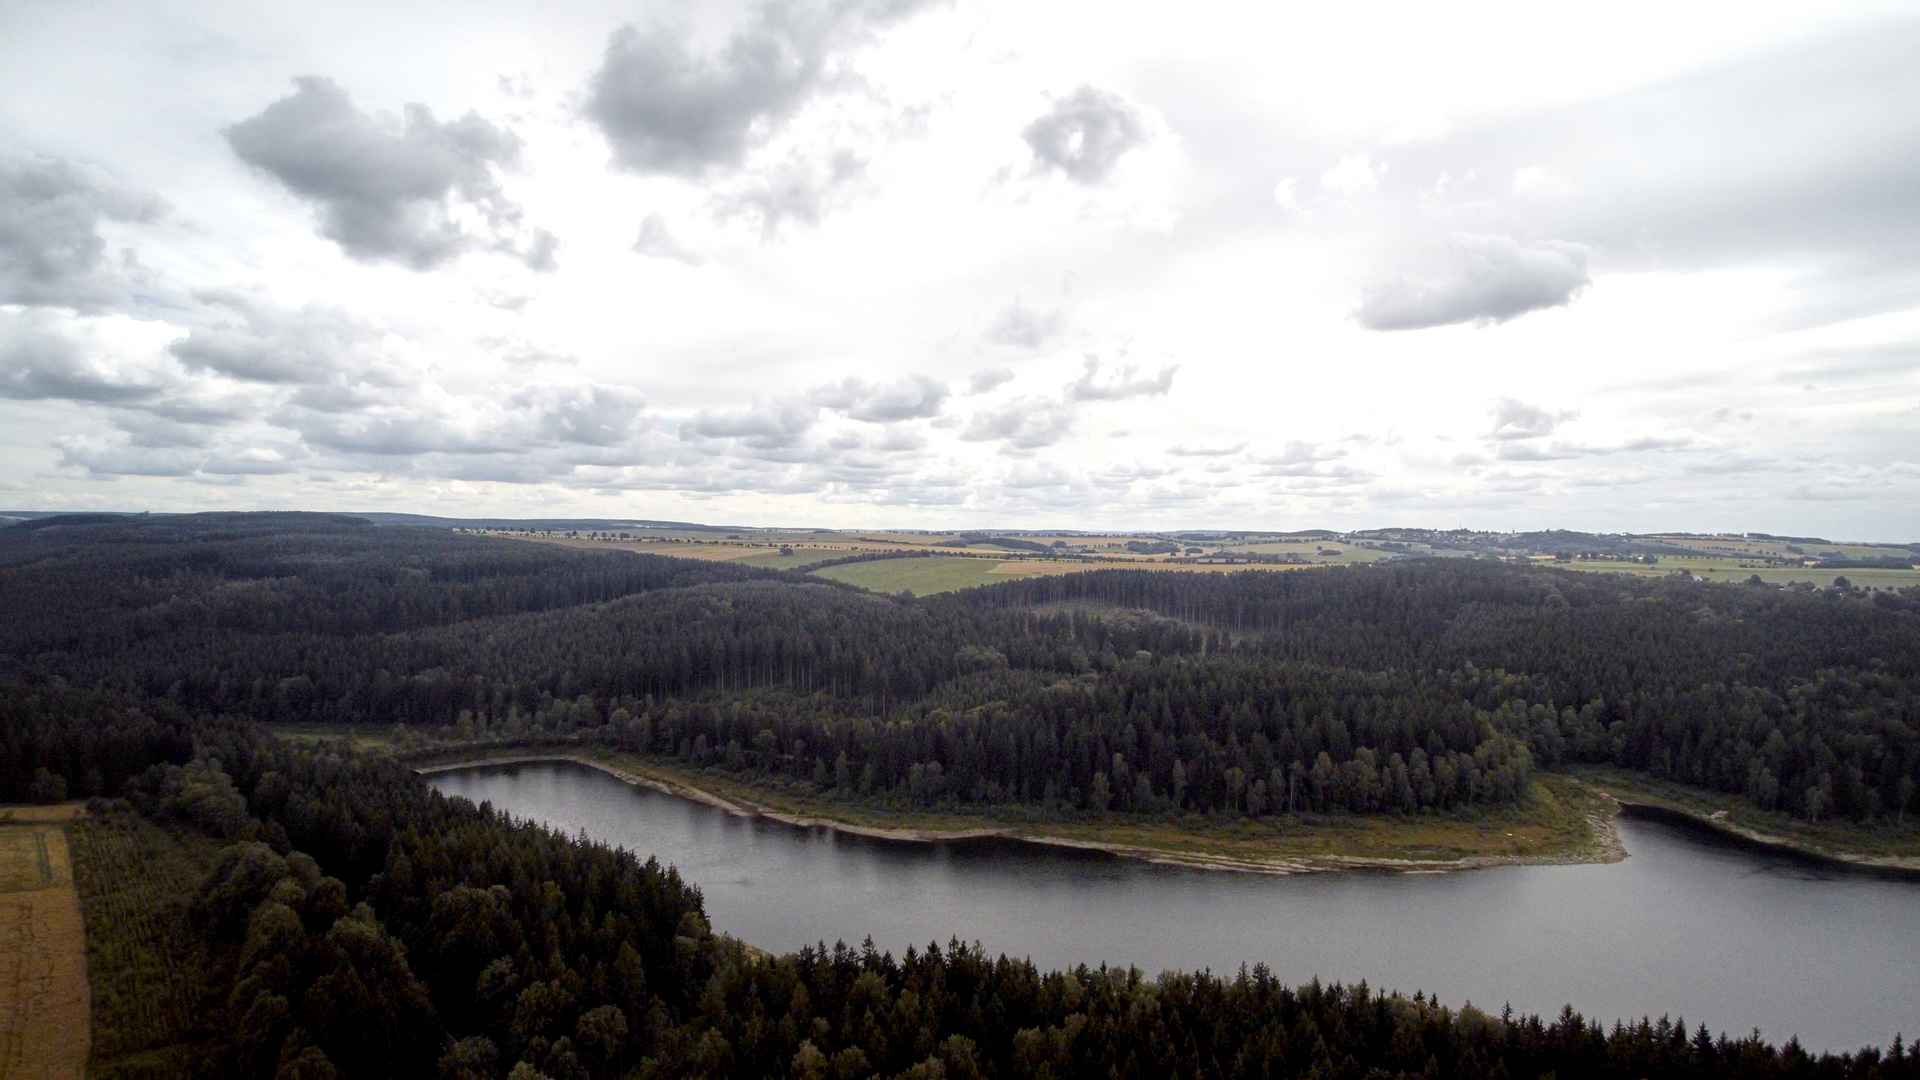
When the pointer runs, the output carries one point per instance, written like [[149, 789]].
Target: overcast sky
[[1621, 267]]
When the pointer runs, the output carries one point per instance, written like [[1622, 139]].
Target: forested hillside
[[1414, 687], [358, 924]]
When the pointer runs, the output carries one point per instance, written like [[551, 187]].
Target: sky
[[1620, 267]]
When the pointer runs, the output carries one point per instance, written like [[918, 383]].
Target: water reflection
[[1717, 934]]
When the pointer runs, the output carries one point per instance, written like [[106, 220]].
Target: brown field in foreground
[[44, 998]]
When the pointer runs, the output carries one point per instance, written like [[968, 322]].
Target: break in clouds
[[882, 259]]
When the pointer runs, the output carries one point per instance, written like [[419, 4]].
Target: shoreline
[[1607, 845], [1904, 867]]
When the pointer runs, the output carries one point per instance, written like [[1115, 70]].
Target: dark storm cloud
[[914, 397], [1085, 134], [665, 109], [1124, 382], [383, 186], [260, 343], [1469, 278], [51, 251], [38, 363]]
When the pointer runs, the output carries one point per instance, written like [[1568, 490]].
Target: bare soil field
[[45, 1002]]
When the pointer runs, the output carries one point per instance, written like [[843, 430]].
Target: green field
[[1730, 568], [921, 577]]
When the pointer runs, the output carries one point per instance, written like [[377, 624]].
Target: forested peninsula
[[313, 909]]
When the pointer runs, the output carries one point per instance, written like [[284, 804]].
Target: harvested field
[[44, 997]]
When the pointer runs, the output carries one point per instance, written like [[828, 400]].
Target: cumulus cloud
[[1085, 134], [39, 362], [800, 189], [51, 251], [257, 342], [762, 427], [587, 414], [913, 397], [1125, 381], [1024, 327], [1515, 419], [656, 241], [386, 188], [1301, 459], [1473, 278], [1024, 423], [665, 109], [988, 379]]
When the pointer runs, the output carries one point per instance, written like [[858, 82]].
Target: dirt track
[[44, 998]]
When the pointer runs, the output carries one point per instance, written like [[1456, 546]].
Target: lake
[[1686, 926]]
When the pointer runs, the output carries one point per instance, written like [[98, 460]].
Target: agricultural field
[[1726, 568], [135, 880], [922, 577], [44, 998]]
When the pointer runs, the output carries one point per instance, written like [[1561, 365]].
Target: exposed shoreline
[[1607, 846], [1891, 865]]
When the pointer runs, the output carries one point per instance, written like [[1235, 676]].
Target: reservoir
[[1686, 927]]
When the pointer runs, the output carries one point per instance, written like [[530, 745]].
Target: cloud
[[762, 427], [263, 344], [1024, 327], [1479, 279], [1025, 423], [588, 414], [385, 187], [1207, 449], [798, 189], [1350, 176], [1085, 134], [51, 251], [39, 363], [539, 252], [102, 459], [1302, 459], [1515, 419], [665, 110], [913, 397], [1125, 382], [987, 379], [656, 242]]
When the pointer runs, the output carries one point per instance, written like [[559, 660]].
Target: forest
[[1419, 687], [354, 923], [311, 910]]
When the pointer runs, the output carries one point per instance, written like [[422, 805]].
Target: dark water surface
[[1723, 936]]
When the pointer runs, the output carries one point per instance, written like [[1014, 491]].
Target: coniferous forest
[[351, 922]]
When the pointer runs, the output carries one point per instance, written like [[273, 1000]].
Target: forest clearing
[[44, 999]]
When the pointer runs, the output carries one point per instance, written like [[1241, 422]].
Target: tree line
[[360, 924], [1412, 687]]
